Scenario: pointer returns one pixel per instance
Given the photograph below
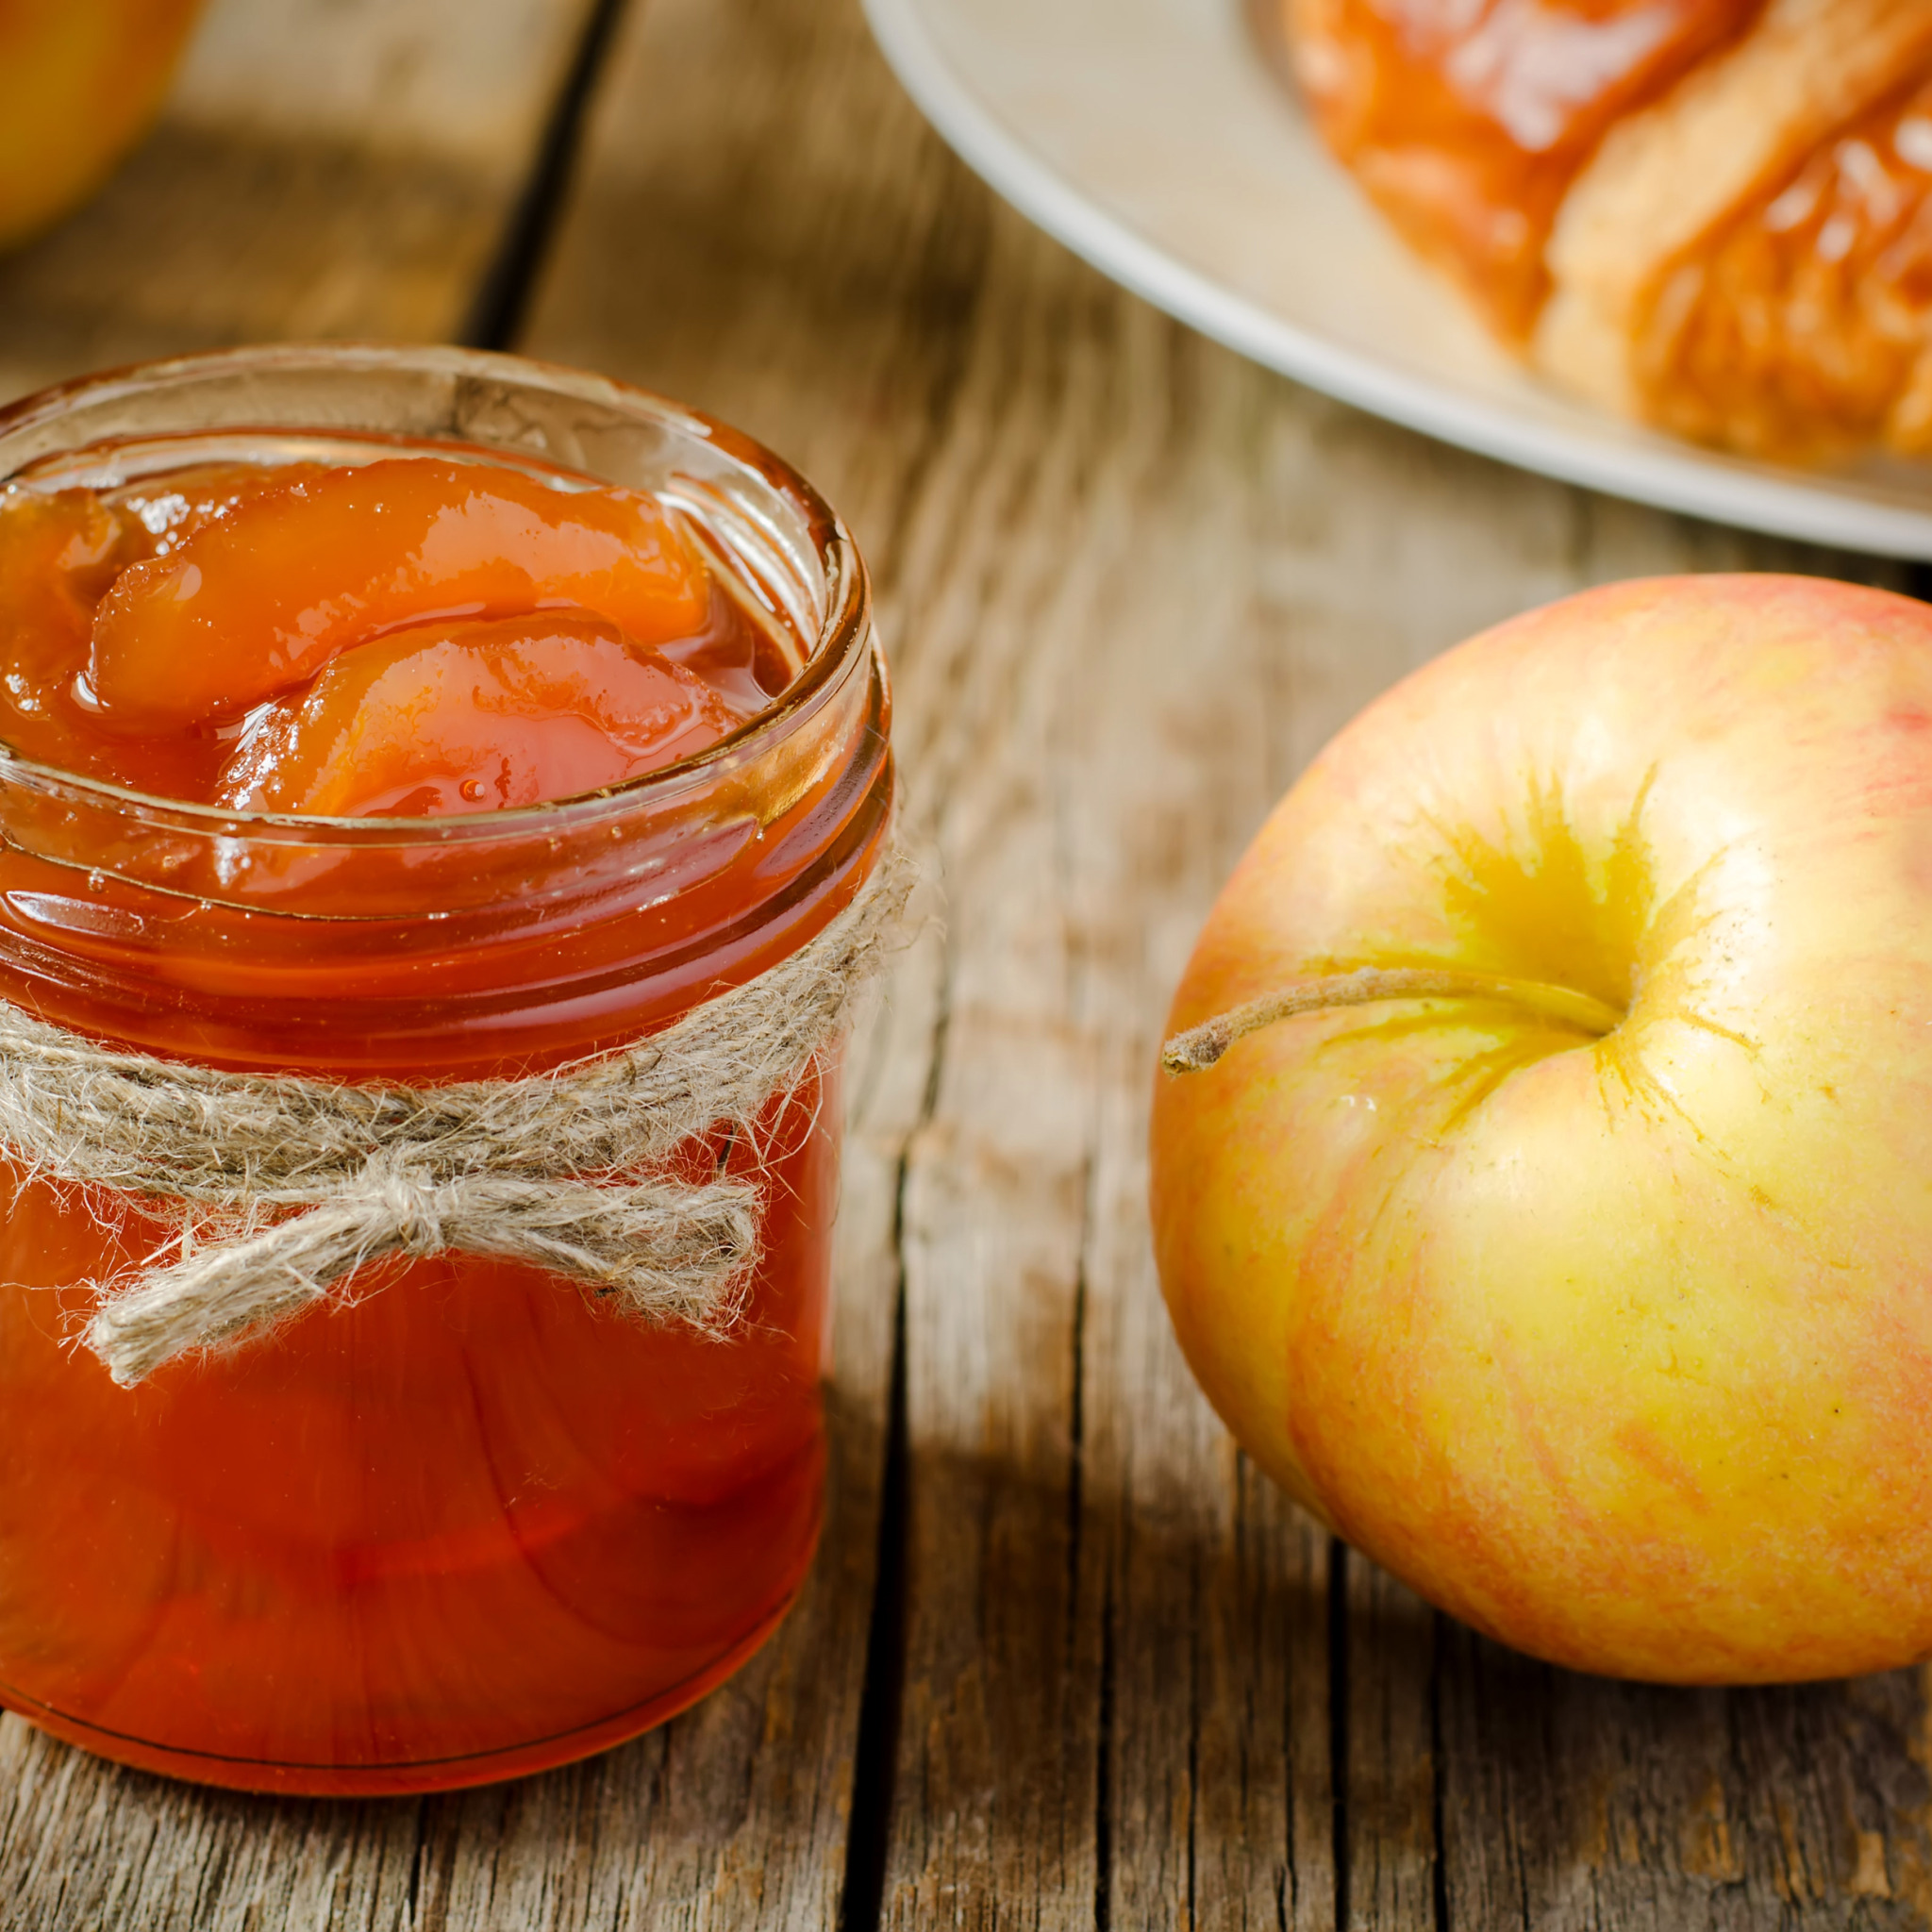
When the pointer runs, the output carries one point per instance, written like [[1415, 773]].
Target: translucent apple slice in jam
[[262, 598], [58, 556], [473, 717]]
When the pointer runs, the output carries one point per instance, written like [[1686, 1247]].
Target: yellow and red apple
[[79, 82], [1556, 1220]]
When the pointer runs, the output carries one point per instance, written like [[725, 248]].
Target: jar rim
[[843, 639]]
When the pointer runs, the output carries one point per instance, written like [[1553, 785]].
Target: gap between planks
[[1058, 490]]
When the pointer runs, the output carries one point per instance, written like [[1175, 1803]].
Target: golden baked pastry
[[1712, 214]]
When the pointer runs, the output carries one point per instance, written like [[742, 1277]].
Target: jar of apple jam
[[409, 718]]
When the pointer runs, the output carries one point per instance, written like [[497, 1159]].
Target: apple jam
[[408, 636], [1468, 122], [350, 734]]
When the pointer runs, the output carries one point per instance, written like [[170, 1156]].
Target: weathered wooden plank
[[86, 1845], [322, 168], [1001, 1703], [763, 227], [698, 257], [467, 84], [1131, 586], [811, 257], [861, 324], [1388, 1823], [1584, 1804], [1217, 1742]]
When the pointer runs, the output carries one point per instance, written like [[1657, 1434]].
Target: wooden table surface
[[1066, 1660]]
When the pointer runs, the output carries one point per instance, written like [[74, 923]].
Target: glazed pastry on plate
[[1712, 214]]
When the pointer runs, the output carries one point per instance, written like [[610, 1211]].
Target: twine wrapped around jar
[[288, 1185]]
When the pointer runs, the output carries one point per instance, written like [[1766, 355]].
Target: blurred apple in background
[[79, 82], [1580, 1270]]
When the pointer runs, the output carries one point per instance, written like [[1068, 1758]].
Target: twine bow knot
[[287, 1185]]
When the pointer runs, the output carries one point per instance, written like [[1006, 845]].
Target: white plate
[[1150, 136]]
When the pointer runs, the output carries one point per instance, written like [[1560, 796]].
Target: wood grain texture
[[324, 168], [1129, 584], [1582, 1804], [87, 1845], [463, 83]]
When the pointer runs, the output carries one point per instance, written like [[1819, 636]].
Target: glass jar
[[459, 1522]]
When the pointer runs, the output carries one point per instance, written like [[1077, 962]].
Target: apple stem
[[1201, 1046]]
